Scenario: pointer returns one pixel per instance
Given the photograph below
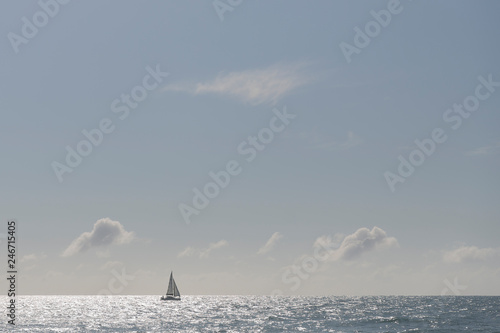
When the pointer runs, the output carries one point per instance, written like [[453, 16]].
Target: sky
[[251, 147]]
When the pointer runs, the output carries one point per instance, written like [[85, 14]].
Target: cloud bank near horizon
[[470, 254], [356, 244]]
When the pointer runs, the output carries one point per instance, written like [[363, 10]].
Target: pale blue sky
[[309, 182]]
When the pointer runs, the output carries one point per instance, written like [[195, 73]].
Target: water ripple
[[256, 314]]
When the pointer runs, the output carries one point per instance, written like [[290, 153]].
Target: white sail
[[176, 291], [171, 284], [172, 290]]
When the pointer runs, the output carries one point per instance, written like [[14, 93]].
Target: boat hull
[[169, 298]]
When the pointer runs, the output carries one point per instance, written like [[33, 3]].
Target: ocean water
[[255, 314]]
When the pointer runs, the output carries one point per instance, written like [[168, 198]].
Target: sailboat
[[172, 291]]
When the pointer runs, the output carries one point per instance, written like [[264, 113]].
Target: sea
[[255, 314]]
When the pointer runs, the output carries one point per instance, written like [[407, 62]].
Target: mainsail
[[172, 287]]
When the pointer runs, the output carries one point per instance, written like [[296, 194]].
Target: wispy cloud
[[270, 243], [255, 86], [470, 254], [320, 141], [486, 150], [187, 252], [354, 245], [105, 232], [33, 257], [213, 246], [203, 253]]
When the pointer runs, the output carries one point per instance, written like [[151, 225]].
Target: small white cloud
[[470, 254], [486, 150], [213, 246], [257, 86], [187, 252], [105, 232], [33, 257], [204, 253], [354, 245], [270, 243]]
